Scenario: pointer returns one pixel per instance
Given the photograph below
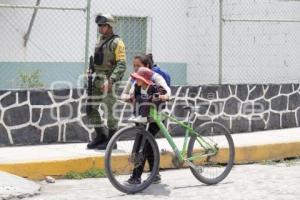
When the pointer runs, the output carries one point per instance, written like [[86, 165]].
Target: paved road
[[253, 182]]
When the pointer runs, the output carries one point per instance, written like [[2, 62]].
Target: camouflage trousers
[[103, 100]]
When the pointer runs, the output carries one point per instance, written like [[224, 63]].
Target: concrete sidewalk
[[14, 187], [36, 162]]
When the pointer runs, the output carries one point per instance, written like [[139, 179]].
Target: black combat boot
[[103, 145], [101, 137]]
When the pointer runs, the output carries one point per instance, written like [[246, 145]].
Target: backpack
[[163, 73]]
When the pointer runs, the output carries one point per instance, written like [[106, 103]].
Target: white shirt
[[156, 78]]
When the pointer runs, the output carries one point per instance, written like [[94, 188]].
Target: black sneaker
[[98, 140], [104, 145], [101, 133], [134, 180], [157, 179]]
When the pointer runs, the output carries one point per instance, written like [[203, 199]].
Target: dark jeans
[[147, 151]]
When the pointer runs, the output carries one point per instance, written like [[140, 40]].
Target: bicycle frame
[[189, 131]]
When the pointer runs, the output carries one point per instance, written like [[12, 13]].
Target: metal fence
[[197, 42], [259, 41], [42, 38]]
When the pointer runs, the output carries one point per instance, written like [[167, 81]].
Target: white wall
[[60, 35], [253, 52], [55, 36]]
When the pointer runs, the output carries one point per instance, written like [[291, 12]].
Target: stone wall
[[45, 116]]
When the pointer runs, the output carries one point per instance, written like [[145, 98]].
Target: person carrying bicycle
[[145, 92], [157, 78]]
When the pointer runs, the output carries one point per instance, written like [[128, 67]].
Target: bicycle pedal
[[198, 169]]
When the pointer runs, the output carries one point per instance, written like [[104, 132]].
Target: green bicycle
[[208, 151]]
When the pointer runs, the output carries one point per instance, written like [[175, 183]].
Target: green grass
[[268, 162], [91, 173], [288, 162]]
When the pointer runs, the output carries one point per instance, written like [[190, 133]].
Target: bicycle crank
[[198, 169]]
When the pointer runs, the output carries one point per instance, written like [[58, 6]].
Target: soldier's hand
[[125, 97], [107, 86], [163, 97], [88, 73]]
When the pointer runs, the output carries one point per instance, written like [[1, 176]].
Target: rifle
[[90, 85]]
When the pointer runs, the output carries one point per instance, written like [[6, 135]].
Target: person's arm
[[160, 81], [125, 96], [120, 59]]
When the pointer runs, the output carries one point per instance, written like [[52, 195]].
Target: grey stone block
[[4, 140], [22, 96], [9, 100], [51, 134], [76, 133], [61, 95], [296, 87], [294, 101], [36, 114], [216, 108], [247, 108], [40, 98], [16, 116], [232, 106], [77, 93], [224, 91], [193, 92], [272, 91], [202, 106], [274, 121], [257, 123], [183, 91], [178, 109], [200, 120], [261, 105], [49, 116], [288, 120], [279, 103], [242, 92], [286, 88], [298, 117], [69, 110], [240, 124], [233, 89], [26, 135], [209, 92], [225, 120], [256, 93], [174, 90]]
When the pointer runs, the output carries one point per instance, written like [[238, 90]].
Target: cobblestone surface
[[254, 182]]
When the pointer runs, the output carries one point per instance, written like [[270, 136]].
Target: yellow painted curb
[[37, 170]]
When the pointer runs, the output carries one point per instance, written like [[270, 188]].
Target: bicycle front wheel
[[211, 165], [132, 159]]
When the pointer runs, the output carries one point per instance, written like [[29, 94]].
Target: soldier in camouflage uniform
[[110, 66]]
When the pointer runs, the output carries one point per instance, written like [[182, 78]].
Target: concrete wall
[[178, 32], [47, 116], [253, 52], [66, 29]]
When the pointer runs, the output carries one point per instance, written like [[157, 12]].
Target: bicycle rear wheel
[[128, 161], [214, 168]]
